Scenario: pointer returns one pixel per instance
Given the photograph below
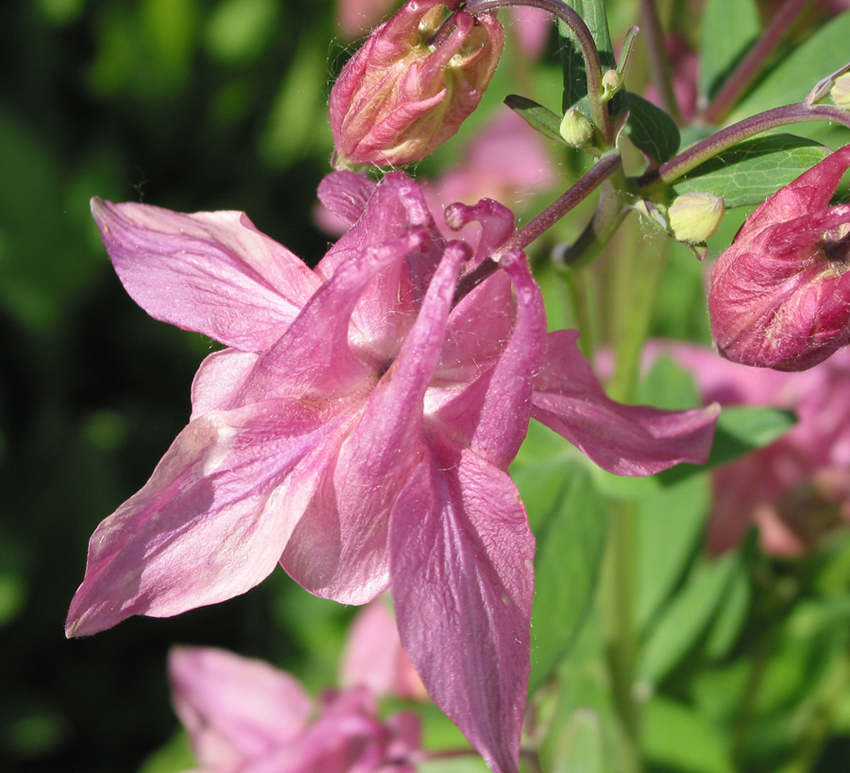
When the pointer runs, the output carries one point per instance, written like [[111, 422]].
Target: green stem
[[617, 588]]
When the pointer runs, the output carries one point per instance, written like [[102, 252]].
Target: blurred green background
[[191, 105]]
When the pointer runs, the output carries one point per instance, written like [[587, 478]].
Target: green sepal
[[536, 116]]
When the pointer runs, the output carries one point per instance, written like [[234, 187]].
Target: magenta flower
[[798, 488], [358, 430], [245, 715], [403, 94], [780, 295]]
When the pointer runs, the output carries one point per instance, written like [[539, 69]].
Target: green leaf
[[729, 27], [740, 430], [797, 73], [536, 116], [568, 516], [676, 737], [572, 62], [731, 618], [687, 617], [651, 130], [670, 524], [754, 169]]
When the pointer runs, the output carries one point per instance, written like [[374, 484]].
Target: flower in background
[[375, 659], [798, 488], [684, 73], [408, 89], [358, 430], [779, 296], [532, 27], [507, 162], [245, 715], [358, 16]]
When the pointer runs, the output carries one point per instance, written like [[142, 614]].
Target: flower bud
[[779, 297], [693, 217], [840, 91], [408, 89], [576, 129]]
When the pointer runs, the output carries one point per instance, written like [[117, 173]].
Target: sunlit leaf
[[753, 170]]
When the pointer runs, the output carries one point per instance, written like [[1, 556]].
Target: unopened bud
[[576, 129], [407, 90], [779, 296], [694, 217], [840, 91], [611, 82]]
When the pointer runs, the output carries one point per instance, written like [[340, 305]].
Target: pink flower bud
[[405, 92], [780, 295]]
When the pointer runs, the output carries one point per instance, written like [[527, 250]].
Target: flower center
[[837, 250]]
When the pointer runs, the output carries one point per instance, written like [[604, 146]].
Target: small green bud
[[576, 129], [611, 82], [840, 91], [693, 217]]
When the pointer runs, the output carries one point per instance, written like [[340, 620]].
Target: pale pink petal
[[212, 272], [220, 379], [213, 519], [396, 210], [623, 439], [462, 577], [346, 194], [351, 512], [235, 708], [314, 359]]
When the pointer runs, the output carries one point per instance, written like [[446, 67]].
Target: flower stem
[[659, 63], [751, 64], [799, 112], [598, 173], [589, 51]]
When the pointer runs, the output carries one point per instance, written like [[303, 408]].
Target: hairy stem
[[800, 112], [598, 173]]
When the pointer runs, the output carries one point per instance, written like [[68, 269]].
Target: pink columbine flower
[[358, 430], [405, 92], [798, 488], [245, 715], [780, 295]]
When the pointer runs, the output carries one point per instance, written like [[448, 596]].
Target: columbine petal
[[462, 574], [623, 439], [213, 519], [346, 194], [234, 708], [373, 463], [211, 272], [314, 359], [496, 408]]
